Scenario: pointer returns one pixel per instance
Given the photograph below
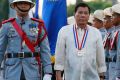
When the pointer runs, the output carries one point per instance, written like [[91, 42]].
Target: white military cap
[[99, 14], [108, 11], [116, 8], [15, 1], [71, 20], [91, 19]]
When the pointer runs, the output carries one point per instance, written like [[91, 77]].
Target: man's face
[[23, 6], [82, 15], [115, 18], [97, 23], [108, 22]]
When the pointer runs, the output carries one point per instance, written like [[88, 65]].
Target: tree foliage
[[70, 10], [99, 5], [94, 5], [4, 9]]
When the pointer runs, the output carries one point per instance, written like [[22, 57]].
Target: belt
[[108, 59], [103, 77], [21, 55]]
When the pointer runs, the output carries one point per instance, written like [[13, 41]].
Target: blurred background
[[94, 4]]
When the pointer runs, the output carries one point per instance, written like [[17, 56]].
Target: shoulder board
[[9, 20], [38, 20]]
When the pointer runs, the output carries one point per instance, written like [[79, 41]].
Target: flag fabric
[[36, 15], [54, 14]]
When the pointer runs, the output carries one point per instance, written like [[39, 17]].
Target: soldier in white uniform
[[98, 21], [106, 41], [79, 50], [115, 43]]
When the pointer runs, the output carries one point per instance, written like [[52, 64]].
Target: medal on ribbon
[[33, 29], [80, 46]]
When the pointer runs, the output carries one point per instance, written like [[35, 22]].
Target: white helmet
[[99, 14], [91, 19], [116, 8], [108, 11], [15, 1]]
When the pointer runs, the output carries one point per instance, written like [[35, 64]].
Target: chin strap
[[22, 10]]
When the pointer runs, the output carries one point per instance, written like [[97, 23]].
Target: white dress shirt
[[85, 67]]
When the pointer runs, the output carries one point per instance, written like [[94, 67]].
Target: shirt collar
[[20, 18], [78, 27], [110, 29]]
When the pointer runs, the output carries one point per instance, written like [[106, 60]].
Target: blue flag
[[54, 14], [36, 10]]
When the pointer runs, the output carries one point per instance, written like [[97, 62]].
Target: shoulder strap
[[9, 20], [27, 41], [23, 35], [41, 22], [115, 35], [105, 39]]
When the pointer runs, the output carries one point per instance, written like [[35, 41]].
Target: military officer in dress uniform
[[98, 18], [106, 41], [115, 43], [24, 45]]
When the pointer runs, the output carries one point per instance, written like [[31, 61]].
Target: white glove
[[117, 79], [47, 77], [1, 75]]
